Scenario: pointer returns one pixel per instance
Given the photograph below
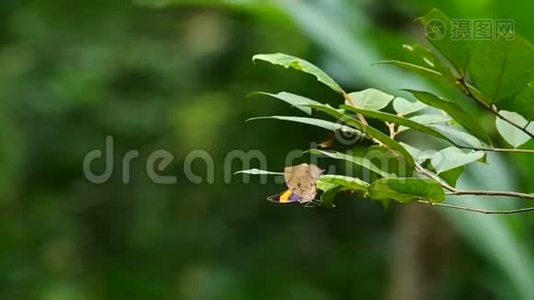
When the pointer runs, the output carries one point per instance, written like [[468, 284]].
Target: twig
[[458, 192], [477, 210], [467, 89], [434, 177], [508, 150], [392, 131]]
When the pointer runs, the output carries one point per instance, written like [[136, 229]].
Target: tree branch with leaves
[[490, 73]]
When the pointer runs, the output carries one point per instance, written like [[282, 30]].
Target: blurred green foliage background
[[173, 75]]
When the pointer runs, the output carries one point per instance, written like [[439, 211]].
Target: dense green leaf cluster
[[495, 73]]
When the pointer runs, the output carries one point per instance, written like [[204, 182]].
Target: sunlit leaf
[[293, 99], [397, 120], [257, 172], [352, 183], [405, 107], [333, 184], [311, 121], [427, 119], [418, 155], [360, 161], [511, 134], [299, 64], [417, 69], [452, 157], [371, 99], [455, 111]]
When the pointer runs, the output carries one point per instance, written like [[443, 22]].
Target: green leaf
[[293, 99], [427, 119], [460, 137], [432, 61], [417, 69], [257, 172], [333, 184], [299, 64], [325, 186], [368, 130], [454, 50], [430, 119], [327, 197], [388, 161], [455, 111], [452, 157], [451, 176], [312, 121], [371, 99], [522, 102], [419, 155], [352, 183], [510, 133], [397, 120], [405, 107], [406, 190], [500, 70], [360, 161]]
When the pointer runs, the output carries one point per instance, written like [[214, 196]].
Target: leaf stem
[[348, 99], [477, 210], [392, 131]]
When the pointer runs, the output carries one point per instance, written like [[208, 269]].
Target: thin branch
[[434, 177], [466, 89], [457, 192], [477, 210], [508, 150]]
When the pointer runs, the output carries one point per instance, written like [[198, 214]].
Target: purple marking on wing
[[294, 197]]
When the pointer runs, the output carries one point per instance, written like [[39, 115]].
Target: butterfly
[[300, 181]]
